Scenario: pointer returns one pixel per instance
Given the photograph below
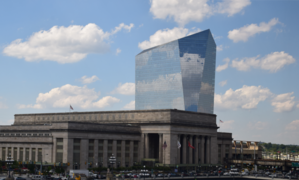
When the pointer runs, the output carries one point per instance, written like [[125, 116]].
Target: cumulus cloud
[[223, 83], [88, 80], [224, 66], [283, 102], [247, 97], [219, 48], [185, 11], [78, 97], [125, 89], [64, 44], [118, 51], [247, 31], [130, 105], [257, 125], [163, 36], [226, 125], [272, 62], [294, 125]]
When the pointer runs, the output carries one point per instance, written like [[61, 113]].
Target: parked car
[[20, 178]]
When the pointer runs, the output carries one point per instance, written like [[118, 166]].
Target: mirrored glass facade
[[177, 75]]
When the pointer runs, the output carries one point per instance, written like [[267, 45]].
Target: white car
[[245, 174], [226, 174]]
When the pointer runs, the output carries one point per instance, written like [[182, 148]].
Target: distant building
[[177, 75], [246, 149]]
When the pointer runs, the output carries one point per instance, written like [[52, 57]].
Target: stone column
[[123, 153], [131, 153], [6, 153], [96, 153], [84, 154], [160, 148], [69, 155], [184, 149], [213, 150], [202, 150], [36, 154], [54, 150], [141, 148], [114, 150], [146, 145], [190, 149], [24, 154], [179, 150], [196, 155], [18, 153], [208, 152], [30, 154], [105, 153]]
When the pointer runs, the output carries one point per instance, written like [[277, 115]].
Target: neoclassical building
[[79, 140]]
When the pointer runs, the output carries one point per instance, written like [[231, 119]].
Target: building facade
[[80, 140], [177, 75], [246, 150]]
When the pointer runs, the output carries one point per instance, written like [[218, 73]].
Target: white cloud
[[163, 36], [223, 83], [248, 31], [294, 125], [224, 66], [247, 97], [125, 89], [118, 51], [64, 44], [88, 80], [130, 105], [257, 125], [226, 125], [78, 97], [283, 102], [185, 11], [297, 105], [272, 62], [219, 48]]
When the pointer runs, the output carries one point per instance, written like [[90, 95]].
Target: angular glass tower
[[177, 75]]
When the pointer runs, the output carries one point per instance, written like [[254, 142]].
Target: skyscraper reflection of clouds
[[177, 75]]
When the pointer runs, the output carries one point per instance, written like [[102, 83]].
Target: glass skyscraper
[[177, 75]]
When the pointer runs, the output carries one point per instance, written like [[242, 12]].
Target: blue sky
[[82, 53]]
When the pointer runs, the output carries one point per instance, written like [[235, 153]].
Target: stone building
[[79, 140], [246, 150]]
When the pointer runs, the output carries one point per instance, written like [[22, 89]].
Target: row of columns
[[201, 151], [97, 161], [12, 154]]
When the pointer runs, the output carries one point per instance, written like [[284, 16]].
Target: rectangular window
[[90, 151], [76, 151], [127, 153], [100, 155], [40, 155], [227, 147], [59, 150], [33, 155], [3, 153], [21, 154], [135, 154], [27, 154], [15, 153]]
